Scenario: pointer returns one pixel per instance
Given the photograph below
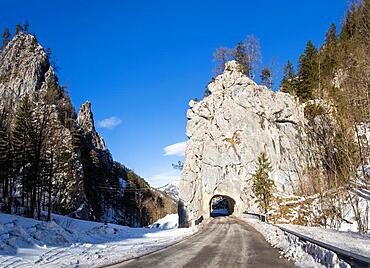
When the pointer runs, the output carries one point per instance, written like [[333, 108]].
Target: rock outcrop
[[85, 121], [227, 132], [83, 179], [24, 67]]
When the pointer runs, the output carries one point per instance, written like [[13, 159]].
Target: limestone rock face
[[227, 132], [24, 67], [85, 120]]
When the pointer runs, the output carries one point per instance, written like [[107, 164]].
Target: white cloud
[[162, 179], [175, 149], [109, 123]]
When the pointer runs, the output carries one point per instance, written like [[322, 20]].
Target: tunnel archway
[[221, 205]]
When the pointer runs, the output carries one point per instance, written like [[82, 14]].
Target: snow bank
[[296, 250], [170, 221], [350, 241], [70, 242]]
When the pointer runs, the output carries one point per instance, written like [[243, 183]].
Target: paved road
[[226, 242]]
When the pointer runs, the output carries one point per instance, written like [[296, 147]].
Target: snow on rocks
[[170, 221], [70, 242]]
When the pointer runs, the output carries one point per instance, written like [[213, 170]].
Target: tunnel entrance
[[221, 205]]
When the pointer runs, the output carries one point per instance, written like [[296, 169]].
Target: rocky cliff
[[24, 67], [227, 132], [65, 166]]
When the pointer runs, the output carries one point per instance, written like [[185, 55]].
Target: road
[[225, 242]]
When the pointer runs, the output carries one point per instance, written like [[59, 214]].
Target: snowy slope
[[67, 242]]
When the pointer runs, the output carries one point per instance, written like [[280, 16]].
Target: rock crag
[[227, 132]]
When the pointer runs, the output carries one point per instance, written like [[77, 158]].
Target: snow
[[170, 221], [294, 249], [67, 242], [350, 241], [123, 183]]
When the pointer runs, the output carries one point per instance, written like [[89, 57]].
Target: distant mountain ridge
[[172, 189]]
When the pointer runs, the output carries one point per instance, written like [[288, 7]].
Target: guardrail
[[355, 260]]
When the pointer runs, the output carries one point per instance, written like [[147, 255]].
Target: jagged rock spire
[[85, 121]]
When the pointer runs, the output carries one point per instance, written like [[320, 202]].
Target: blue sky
[[140, 62]]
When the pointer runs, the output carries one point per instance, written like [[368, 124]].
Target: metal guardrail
[[355, 260]]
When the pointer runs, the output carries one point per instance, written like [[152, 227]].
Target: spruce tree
[[308, 73], [26, 27], [262, 184], [288, 84], [266, 77], [18, 29], [5, 159], [240, 56], [22, 146], [331, 35], [6, 38]]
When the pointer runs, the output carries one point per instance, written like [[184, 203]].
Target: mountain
[[172, 189], [53, 159]]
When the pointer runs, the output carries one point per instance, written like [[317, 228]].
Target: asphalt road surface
[[225, 242]]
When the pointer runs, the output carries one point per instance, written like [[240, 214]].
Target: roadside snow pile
[[170, 221], [69, 242], [350, 241], [293, 249]]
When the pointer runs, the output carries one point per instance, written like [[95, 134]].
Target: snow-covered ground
[[293, 249], [67, 242], [170, 221], [350, 241]]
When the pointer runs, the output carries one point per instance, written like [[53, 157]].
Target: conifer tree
[[308, 73], [22, 146], [26, 27], [288, 84], [6, 38], [240, 56], [18, 29], [5, 159], [266, 77], [262, 184]]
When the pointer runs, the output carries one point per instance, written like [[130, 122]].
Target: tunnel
[[221, 205]]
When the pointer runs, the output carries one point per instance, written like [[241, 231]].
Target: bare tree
[[221, 56], [253, 54]]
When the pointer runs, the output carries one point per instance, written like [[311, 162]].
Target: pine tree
[[308, 73], [18, 29], [6, 38], [331, 35], [240, 56], [5, 159], [26, 27], [266, 77], [262, 185], [22, 146], [288, 84]]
